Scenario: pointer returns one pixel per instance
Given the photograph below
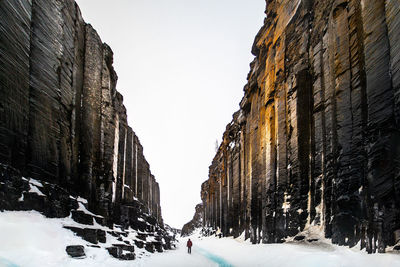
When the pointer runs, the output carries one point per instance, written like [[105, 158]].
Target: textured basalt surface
[[316, 142], [195, 223], [62, 121]]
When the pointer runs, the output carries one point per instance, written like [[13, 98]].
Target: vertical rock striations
[[316, 142], [61, 118], [195, 223]]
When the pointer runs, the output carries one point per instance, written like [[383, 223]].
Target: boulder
[[81, 217], [149, 247], [76, 251], [139, 244], [118, 252], [89, 234]]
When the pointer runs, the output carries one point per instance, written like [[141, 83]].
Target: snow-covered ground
[[212, 251], [29, 239]]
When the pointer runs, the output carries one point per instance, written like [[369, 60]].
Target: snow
[[176, 258], [212, 251], [33, 187], [35, 190], [30, 239], [84, 209], [35, 182], [115, 158], [286, 203], [83, 200]]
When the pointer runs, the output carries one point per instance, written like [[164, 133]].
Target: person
[[189, 245]]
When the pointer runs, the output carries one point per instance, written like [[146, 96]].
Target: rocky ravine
[[63, 122], [316, 142]]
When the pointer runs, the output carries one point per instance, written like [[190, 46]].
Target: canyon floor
[[30, 239], [212, 251]]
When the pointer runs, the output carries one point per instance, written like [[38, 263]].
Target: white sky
[[182, 65]]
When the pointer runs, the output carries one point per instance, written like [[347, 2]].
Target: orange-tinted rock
[[316, 139]]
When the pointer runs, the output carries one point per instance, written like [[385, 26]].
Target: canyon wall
[[315, 145], [61, 118], [195, 223]]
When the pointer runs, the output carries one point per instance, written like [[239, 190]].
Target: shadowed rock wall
[[316, 142], [61, 118], [195, 223]]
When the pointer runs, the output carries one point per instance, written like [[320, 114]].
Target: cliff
[[316, 142], [195, 223], [62, 121]]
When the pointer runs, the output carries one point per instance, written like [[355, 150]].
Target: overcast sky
[[182, 65]]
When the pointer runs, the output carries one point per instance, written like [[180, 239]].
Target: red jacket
[[189, 244]]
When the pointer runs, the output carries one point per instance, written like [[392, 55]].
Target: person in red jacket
[[189, 245]]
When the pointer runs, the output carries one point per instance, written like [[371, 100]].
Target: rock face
[[62, 120], [196, 222], [316, 142]]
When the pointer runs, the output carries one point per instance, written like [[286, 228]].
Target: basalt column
[[315, 144], [61, 118], [15, 45]]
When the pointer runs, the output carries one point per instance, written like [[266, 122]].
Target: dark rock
[[139, 225], [113, 233], [117, 252], [125, 247], [129, 256], [196, 222], [100, 220], [141, 236], [316, 139], [91, 235], [158, 246], [76, 251], [101, 236], [12, 188], [60, 110], [299, 237], [149, 247], [151, 220], [33, 201], [81, 217], [60, 202], [139, 244]]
